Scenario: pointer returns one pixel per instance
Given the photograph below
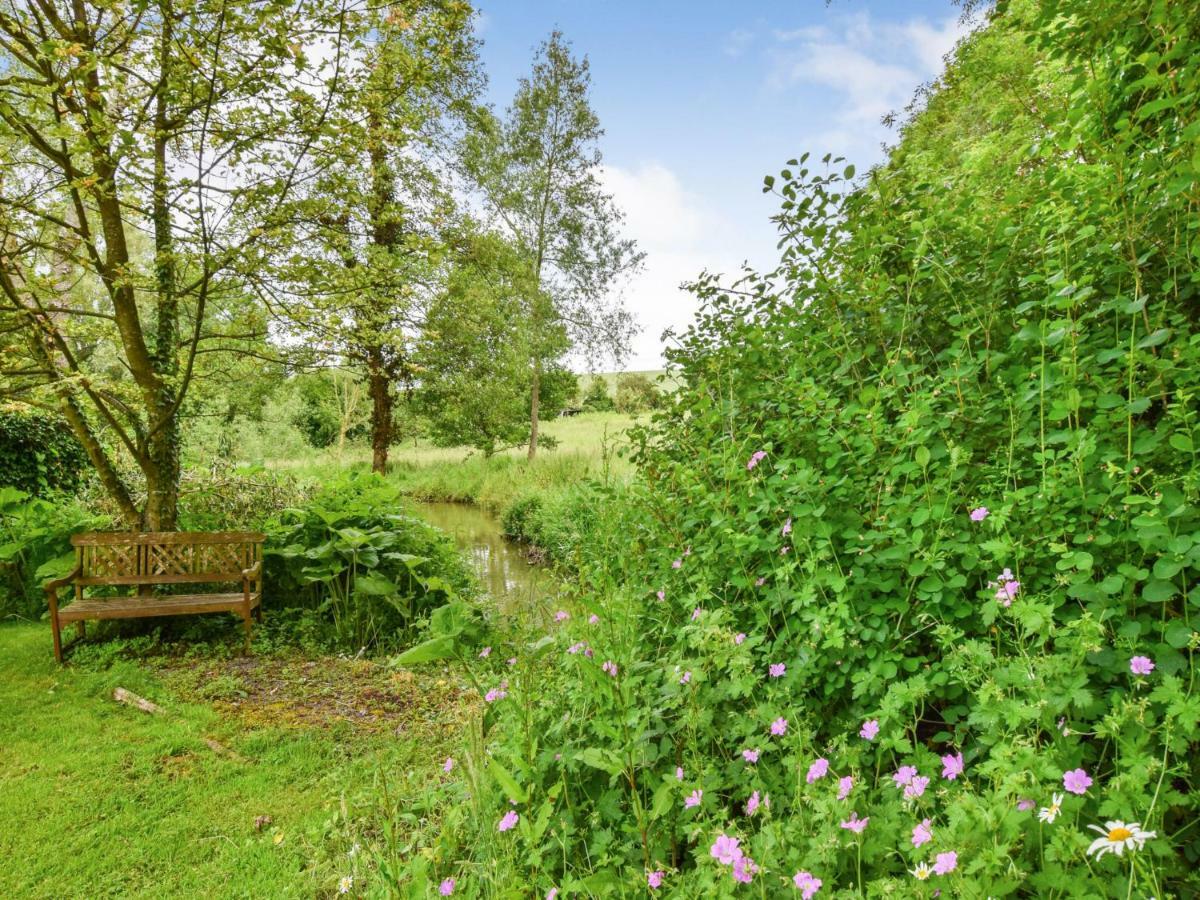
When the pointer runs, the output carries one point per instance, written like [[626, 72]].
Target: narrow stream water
[[500, 565]]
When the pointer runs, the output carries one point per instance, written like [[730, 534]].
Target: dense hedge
[[38, 453], [918, 534]]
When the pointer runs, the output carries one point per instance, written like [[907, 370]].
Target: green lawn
[[101, 800]]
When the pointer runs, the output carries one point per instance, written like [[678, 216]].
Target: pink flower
[[448, 764], [904, 775], [509, 820], [679, 773], [755, 458], [593, 619], [752, 804], [485, 652], [739, 637], [979, 514], [661, 595], [1077, 781], [922, 833], [693, 799], [512, 660], [807, 884], [760, 582], [446, 888], [577, 646], [561, 616], [916, 787], [1141, 665], [610, 667], [588, 653], [678, 564], [869, 730], [817, 770], [952, 766], [743, 869], [725, 850], [1007, 587], [845, 786], [552, 894], [750, 756], [855, 824], [777, 670], [696, 613], [1025, 804], [497, 693], [685, 677], [946, 863], [779, 726], [655, 879], [787, 527]]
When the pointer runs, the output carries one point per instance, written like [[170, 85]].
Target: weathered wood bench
[[141, 561]]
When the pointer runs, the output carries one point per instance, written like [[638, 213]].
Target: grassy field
[[102, 800]]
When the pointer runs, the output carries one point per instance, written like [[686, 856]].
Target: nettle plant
[[902, 602]]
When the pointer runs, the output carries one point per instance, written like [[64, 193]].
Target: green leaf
[[1158, 591], [507, 783], [430, 651]]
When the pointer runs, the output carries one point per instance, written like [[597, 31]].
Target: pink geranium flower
[[806, 884], [750, 756], [779, 726], [1141, 665], [678, 564], [593, 619], [739, 637], [817, 770], [693, 799], [655, 879], [696, 613], [448, 764], [945, 863], [979, 514], [509, 820], [855, 824], [1007, 587], [446, 888], [743, 869], [752, 804], [685, 677], [485, 652], [922, 833], [952, 766], [787, 527], [869, 730], [916, 787], [845, 786], [755, 458], [1077, 781], [662, 595], [777, 670], [561, 616], [1025, 804], [610, 667], [725, 850], [904, 775], [679, 773]]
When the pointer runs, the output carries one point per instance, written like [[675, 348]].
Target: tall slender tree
[[182, 120], [371, 233], [539, 173]]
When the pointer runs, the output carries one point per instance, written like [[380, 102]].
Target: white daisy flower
[[1049, 813], [345, 884], [922, 871], [1117, 837]]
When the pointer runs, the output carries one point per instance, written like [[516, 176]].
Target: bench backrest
[[165, 557]]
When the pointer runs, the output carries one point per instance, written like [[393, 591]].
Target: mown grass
[[102, 800]]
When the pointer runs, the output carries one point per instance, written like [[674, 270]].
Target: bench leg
[[57, 639], [246, 620], [80, 630], [258, 613]]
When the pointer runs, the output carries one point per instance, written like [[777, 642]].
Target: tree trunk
[[535, 392], [382, 401]]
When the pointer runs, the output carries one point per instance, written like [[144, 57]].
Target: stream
[[499, 564]]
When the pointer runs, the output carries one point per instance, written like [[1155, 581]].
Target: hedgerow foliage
[[38, 453], [1001, 320]]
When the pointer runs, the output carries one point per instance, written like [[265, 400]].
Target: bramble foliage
[[38, 453], [923, 514]]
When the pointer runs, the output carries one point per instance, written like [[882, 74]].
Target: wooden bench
[[141, 561]]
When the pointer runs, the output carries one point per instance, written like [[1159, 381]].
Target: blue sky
[[701, 99]]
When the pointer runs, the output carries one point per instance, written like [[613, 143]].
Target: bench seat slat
[[139, 607]]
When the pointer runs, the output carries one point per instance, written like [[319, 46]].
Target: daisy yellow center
[[1120, 834]]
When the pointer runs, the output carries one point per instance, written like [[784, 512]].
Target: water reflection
[[499, 564]]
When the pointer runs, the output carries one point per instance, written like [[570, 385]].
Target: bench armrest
[[252, 573], [52, 587]]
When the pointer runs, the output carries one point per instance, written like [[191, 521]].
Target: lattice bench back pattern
[[143, 560]]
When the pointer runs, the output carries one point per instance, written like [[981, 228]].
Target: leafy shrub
[[918, 535], [374, 573], [35, 546], [636, 393], [244, 498], [596, 398], [38, 453]]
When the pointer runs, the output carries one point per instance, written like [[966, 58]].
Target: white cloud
[[681, 237]]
